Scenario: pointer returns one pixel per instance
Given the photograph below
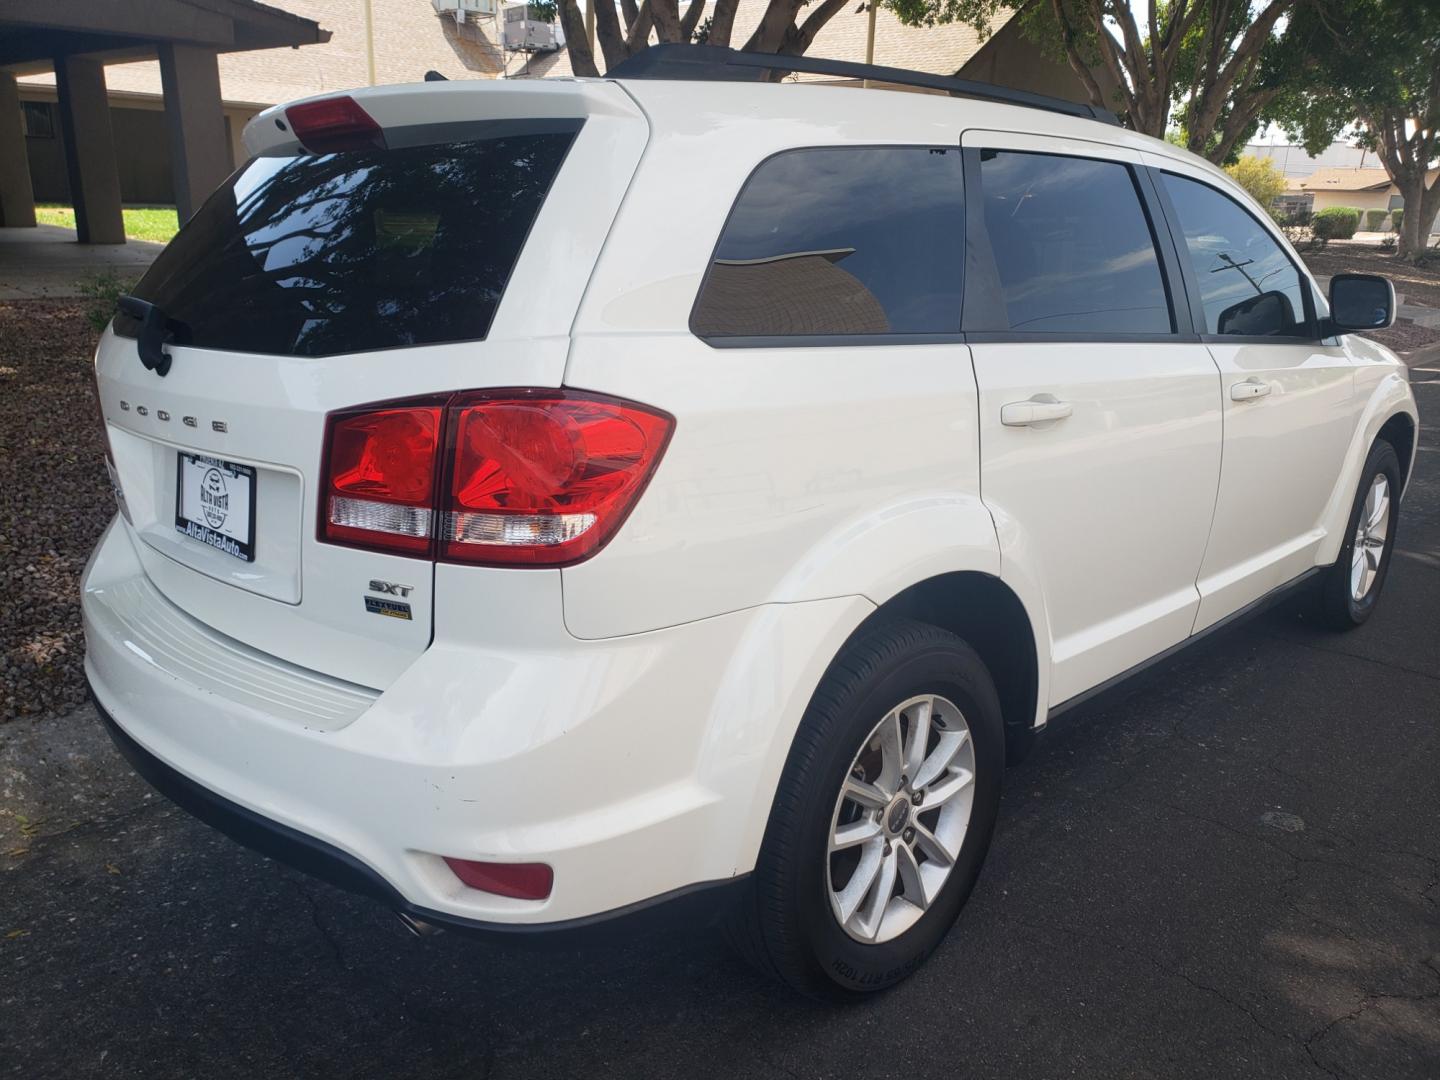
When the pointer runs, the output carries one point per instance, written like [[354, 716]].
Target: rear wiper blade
[[156, 331]]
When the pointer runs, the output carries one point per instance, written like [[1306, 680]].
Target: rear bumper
[[688, 906], [640, 768]]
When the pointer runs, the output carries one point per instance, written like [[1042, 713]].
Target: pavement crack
[[1350, 656], [329, 938]]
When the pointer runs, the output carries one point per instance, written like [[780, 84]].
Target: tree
[[788, 27], [1378, 62], [1220, 62], [1260, 178]]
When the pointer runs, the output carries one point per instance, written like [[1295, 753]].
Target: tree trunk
[[1422, 206], [582, 60]]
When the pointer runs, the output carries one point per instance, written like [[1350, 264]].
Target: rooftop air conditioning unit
[[462, 8], [524, 34]]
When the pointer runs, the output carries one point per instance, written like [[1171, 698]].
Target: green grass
[[156, 223]]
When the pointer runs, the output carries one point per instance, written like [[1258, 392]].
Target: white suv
[[541, 500]]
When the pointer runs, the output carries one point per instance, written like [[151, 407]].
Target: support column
[[195, 121], [89, 150], [17, 196]]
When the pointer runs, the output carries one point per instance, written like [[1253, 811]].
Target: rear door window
[[850, 241], [1248, 285], [318, 254], [1073, 249]]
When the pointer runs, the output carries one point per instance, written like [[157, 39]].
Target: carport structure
[[76, 39]]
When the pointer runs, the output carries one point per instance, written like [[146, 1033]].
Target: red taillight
[[530, 477], [545, 479], [380, 478], [522, 881], [331, 125]]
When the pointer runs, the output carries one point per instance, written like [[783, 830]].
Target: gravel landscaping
[[54, 499]]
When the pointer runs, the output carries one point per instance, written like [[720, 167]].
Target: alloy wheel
[[1370, 537], [900, 818]]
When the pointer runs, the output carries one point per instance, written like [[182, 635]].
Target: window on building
[[840, 241], [1248, 286], [38, 118], [1073, 249]]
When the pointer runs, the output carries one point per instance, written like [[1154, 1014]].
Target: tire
[[789, 921], [1340, 606]]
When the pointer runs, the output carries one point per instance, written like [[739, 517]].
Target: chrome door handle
[[1249, 390], [1037, 410]]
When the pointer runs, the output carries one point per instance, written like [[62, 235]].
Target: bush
[[101, 292], [1337, 223], [1396, 216], [1374, 219], [1259, 177], [1296, 225]]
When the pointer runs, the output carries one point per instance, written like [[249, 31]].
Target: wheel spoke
[[892, 753], [849, 899], [857, 832], [946, 788], [872, 914], [930, 844], [1372, 555], [950, 744], [910, 879], [870, 796], [919, 736], [1377, 506]]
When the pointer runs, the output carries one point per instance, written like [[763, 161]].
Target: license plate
[[215, 504]]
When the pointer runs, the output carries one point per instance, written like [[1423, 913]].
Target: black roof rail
[[716, 63]]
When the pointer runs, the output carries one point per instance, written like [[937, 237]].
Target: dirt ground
[[54, 500], [1419, 285]]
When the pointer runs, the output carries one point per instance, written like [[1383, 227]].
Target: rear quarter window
[[319, 254], [850, 241]]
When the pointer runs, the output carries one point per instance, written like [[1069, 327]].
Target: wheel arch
[[990, 617], [1401, 433]]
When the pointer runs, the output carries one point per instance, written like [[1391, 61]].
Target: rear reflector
[[528, 477], [331, 125], [521, 881]]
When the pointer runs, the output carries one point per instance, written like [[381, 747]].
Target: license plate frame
[[210, 495]]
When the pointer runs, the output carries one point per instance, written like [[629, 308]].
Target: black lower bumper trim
[[692, 905]]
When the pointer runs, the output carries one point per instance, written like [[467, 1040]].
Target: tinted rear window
[[314, 255], [841, 240]]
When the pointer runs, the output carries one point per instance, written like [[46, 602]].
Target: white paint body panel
[[626, 719]]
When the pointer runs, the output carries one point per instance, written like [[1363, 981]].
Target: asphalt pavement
[[1230, 869]]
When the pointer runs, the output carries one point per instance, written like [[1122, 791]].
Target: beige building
[[1363, 189]]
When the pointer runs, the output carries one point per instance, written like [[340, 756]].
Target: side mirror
[[1360, 302], [1258, 316]]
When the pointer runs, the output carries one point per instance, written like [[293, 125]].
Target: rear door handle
[[1035, 411], [1249, 390]]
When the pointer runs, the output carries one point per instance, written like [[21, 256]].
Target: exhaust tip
[[418, 927]]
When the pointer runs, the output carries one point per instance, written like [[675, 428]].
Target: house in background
[[1363, 189]]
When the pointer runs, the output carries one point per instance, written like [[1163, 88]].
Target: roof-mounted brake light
[[331, 125]]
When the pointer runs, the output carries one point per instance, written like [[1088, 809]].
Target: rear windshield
[[313, 255]]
